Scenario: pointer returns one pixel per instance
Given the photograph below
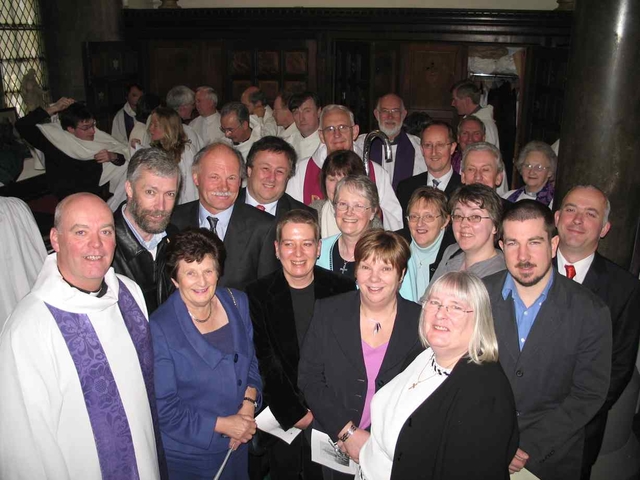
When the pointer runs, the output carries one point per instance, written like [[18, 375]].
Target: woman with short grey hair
[[537, 165]]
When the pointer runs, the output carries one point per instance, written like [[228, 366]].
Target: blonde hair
[[469, 289], [174, 139]]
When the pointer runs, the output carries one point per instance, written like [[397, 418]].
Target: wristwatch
[[345, 436]]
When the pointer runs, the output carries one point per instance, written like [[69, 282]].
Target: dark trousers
[[287, 462], [594, 434]]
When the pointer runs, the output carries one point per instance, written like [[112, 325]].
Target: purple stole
[[405, 157], [108, 418], [544, 196], [311, 190]]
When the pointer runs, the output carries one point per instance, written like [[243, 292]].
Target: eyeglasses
[[454, 311], [336, 128], [438, 146], [344, 206], [427, 218], [537, 168], [472, 218], [229, 130], [390, 111], [86, 128]]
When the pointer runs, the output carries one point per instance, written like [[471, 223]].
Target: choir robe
[[45, 429], [208, 128], [304, 147]]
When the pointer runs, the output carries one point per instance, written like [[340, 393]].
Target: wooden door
[[352, 80]]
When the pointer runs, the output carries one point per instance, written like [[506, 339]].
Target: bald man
[[76, 368]]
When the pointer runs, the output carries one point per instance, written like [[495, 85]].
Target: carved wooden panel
[[428, 71]]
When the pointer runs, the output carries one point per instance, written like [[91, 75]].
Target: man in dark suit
[[554, 338], [281, 306], [438, 144], [582, 220], [271, 162], [248, 234]]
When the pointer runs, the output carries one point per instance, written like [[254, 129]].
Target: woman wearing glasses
[[357, 342], [537, 165], [450, 414], [356, 204], [476, 212], [428, 236]]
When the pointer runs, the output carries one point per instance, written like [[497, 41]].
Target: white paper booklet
[[323, 452], [268, 423]]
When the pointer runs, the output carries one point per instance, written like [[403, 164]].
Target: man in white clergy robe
[[207, 123], [338, 131], [125, 118], [284, 117], [406, 153], [305, 108], [260, 113], [235, 124], [77, 395], [183, 100], [465, 98]]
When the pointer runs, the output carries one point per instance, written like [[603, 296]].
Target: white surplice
[[245, 146], [208, 128], [304, 147], [45, 431], [118, 127], [267, 123], [285, 133]]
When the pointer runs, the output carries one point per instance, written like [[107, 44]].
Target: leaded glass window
[[21, 49]]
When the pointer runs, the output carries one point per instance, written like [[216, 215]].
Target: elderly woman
[[428, 236], [206, 372], [281, 305], [358, 342], [476, 212], [451, 413], [166, 132], [356, 203], [537, 164]]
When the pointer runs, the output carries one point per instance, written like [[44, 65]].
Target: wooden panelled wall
[[348, 56]]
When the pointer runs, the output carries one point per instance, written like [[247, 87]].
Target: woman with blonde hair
[[166, 133]]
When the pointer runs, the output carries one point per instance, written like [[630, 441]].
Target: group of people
[[430, 327]]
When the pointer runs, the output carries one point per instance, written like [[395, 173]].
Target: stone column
[[68, 24], [600, 143]]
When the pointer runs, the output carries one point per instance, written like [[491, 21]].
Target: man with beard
[[406, 156], [142, 223], [554, 337]]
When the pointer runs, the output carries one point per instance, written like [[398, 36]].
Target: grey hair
[[543, 148], [466, 88], [362, 185], [482, 147], [473, 118], [333, 107], [195, 166], [607, 207], [155, 160], [179, 96], [469, 289], [238, 108], [211, 93], [395, 95]]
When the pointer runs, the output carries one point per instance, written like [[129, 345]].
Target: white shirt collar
[[444, 179], [223, 220], [581, 266], [268, 207]]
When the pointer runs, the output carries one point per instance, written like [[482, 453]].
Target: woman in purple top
[[358, 342]]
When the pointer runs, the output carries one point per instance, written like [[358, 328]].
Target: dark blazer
[[411, 184], [621, 292], [285, 204], [466, 429], [447, 239], [135, 261], [248, 242], [561, 377], [276, 340], [332, 373], [197, 383]]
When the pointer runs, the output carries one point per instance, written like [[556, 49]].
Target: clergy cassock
[[74, 374]]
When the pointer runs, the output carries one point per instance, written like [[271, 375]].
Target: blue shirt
[[151, 244], [525, 317], [223, 220]]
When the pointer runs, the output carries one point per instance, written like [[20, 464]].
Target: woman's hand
[[239, 427], [354, 444]]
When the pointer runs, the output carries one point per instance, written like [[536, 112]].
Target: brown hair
[[193, 245], [384, 246], [298, 216], [431, 196]]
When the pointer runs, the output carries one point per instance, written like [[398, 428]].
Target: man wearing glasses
[[438, 144], [338, 131], [234, 123], [78, 156], [406, 156]]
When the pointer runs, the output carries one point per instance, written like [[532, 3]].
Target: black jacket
[[276, 340], [285, 204], [134, 261]]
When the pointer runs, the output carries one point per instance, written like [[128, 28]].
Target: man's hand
[[305, 421], [519, 461], [60, 105], [104, 156]]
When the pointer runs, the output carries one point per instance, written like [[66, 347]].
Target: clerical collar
[[98, 293]]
